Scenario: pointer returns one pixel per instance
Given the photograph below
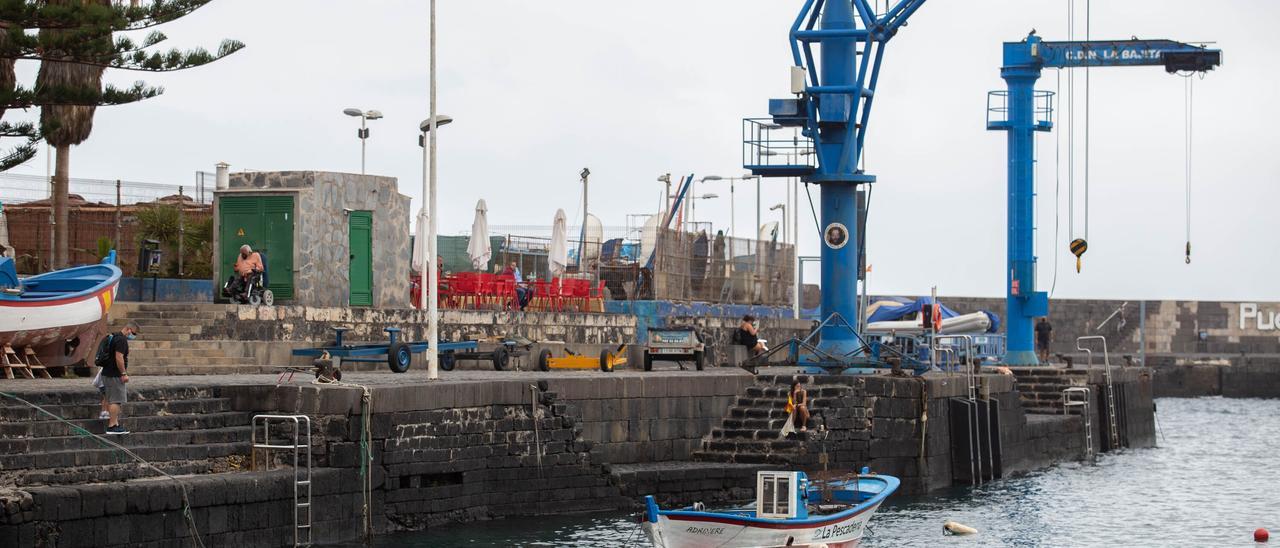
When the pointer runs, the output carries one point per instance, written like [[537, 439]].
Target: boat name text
[[836, 531], [706, 531]]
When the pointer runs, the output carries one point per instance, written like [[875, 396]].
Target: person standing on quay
[[1044, 336], [115, 375]]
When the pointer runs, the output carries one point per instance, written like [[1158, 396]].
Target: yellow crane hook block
[[1078, 247]]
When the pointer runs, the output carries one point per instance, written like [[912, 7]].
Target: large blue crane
[[818, 136], [1025, 111]]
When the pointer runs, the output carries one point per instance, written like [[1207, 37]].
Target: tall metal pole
[[182, 229], [116, 240], [732, 215], [362, 142], [795, 251], [582, 241], [1142, 333], [433, 312]]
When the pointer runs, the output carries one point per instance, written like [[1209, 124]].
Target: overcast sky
[[637, 89]]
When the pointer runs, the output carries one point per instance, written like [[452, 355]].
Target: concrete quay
[[486, 444]]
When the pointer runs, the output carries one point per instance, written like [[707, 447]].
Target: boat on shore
[[789, 510], [59, 315]]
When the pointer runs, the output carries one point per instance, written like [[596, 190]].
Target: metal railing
[[1111, 396], [778, 143], [1070, 400], [998, 110]]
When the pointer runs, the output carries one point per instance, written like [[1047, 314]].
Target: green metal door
[[360, 238], [265, 223], [277, 248]]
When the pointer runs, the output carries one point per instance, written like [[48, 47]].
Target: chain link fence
[[104, 214]]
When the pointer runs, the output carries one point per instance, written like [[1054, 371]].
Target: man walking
[[115, 375], [1044, 336]]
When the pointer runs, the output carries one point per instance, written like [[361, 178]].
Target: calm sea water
[[1213, 480]]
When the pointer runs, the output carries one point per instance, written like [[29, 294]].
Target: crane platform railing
[[775, 147], [998, 110]]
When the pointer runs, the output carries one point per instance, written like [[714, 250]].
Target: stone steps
[[136, 423], [174, 353], [1040, 388], [181, 430], [81, 459], [237, 366], [126, 471], [153, 439]]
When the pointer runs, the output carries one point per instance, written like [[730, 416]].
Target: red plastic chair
[[466, 288]]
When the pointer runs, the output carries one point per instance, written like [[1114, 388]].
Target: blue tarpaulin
[[892, 309]]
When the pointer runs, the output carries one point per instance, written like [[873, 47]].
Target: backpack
[[103, 357]]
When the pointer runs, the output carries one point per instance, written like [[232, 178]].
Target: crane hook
[[1078, 247], [1188, 251]]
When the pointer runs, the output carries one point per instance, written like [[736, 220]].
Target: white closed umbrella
[[420, 242], [478, 248], [558, 254]]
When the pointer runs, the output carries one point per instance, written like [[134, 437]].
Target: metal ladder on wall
[[301, 487], [1111, 394], [1069, 401], [970, 370]]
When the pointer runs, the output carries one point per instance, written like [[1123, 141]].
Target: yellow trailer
[[574, 360]]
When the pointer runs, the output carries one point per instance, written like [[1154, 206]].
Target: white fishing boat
[[59, 315], [789, 510]]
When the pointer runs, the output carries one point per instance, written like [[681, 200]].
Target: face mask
[[133, 336]]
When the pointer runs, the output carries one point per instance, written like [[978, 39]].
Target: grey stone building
[[328, 239]]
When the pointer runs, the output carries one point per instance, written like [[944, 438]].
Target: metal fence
[[16, 188], [720, 269]]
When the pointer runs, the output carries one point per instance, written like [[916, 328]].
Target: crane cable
[[1189, 112], [1057, 188]]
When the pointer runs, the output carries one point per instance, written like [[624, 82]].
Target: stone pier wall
[[1244, 376], [234, 509]]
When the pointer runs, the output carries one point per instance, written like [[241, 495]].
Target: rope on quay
[[366, 444], [79, 431]]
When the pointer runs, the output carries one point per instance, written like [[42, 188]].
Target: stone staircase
[[185, 430], [750, 432], [174, 340], [1041, 387]]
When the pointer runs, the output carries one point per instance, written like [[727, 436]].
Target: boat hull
[[61, 332], [723, 532]]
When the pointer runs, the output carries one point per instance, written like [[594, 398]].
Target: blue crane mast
[[818, 136], [1021, 111]]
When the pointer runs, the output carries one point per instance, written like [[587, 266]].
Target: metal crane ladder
[[1070, 401], [1111, 394], [301, 487]]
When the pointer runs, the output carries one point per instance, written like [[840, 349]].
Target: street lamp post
[[732, 212], [363, 132], [666, 178], [430, 295]]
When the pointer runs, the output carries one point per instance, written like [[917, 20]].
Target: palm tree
[[66, 125]]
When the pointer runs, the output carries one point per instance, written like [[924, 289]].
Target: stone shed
[[328, 239]]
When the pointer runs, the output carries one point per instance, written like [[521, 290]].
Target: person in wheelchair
[[248, 272]]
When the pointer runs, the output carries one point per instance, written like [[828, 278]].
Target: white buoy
[[954, 528]]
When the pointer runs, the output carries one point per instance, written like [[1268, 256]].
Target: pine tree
[[75, 42]]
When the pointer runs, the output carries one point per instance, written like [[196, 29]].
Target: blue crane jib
[[1021, 111], [837, 47]]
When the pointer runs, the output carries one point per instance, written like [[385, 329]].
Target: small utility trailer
[[399, 354], [574, 360]]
